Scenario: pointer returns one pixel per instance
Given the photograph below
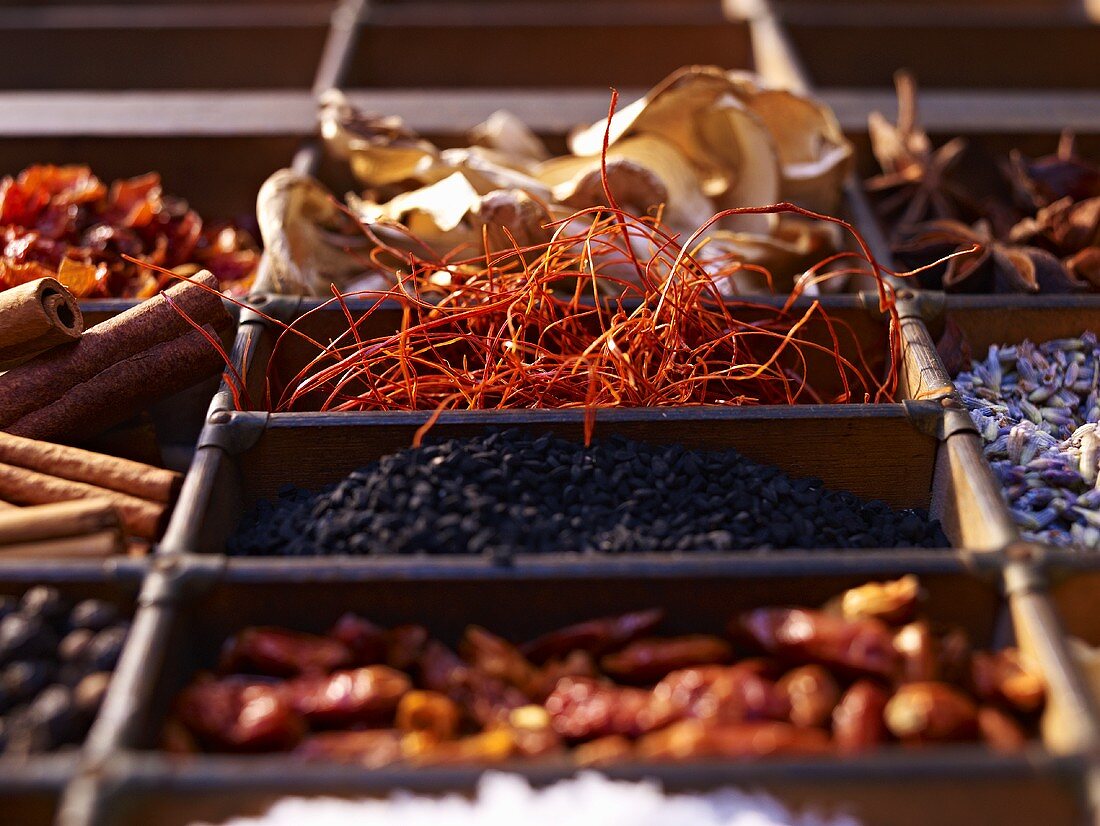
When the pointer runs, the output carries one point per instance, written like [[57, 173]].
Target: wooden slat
[[569, 44], [162, 47], [872, 451], [156, 114], [454, 111], [549, 111], [94, 16], [339, 44], [987, 320], [1013, 47], [495, 14], [984, 14], [967, 498], [975, 111]]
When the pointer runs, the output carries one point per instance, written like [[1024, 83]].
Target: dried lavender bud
[[1037, 408], [509, 492]]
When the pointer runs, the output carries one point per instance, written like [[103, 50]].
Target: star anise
[[1071, 231], [993, 266], [914, 185], [1041, 182]]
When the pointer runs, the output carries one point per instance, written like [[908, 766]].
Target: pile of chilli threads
[[621, 314]]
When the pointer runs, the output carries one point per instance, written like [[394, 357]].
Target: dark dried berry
[[8, 605], [103, 651], [43, 601], [93, 614], [55, 710], [74, 645], [23, 637], [89, 692], [23, 680]]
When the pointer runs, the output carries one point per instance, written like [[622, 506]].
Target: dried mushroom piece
[[380, 150], [644, 173], [814, 155], [506, 134], [698, 111], [309, 242], [737, 260], [703, 141]]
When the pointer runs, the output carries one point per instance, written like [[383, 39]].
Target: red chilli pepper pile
[[865, 671], [64, 222]]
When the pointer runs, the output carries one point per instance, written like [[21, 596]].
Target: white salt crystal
[[505, 800]]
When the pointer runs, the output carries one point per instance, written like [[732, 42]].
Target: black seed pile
[[56, 659], [510, 492]]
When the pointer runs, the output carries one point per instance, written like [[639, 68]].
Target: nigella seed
[[509, 493]]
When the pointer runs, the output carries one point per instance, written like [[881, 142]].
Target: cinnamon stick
[[58, 520], [98, 469], [94, 545], [34, 317], [117, 368], [28, 487]]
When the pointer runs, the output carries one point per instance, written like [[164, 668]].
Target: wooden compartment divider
[[233, 97], [199, 605]]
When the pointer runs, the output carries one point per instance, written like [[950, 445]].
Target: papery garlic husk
[[643, 172], [309, 243], [380, 150], [507, 135], [795, 245]]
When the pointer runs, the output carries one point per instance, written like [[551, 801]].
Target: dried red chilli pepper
[[371, 749], [721, 694], [692, 740], [282, 653], [595, 637], [363, 696], [649, 659], [1006, 677], [861, 647], [931, 712], [239, 714], [858, 723], [63, 222], [367, 642], [586, 709], [812, 693]]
